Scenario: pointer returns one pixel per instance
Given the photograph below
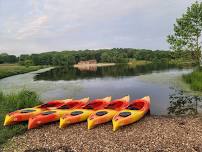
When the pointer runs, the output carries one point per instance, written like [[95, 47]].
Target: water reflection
[[182, 104], [87, 68], [70, 73]]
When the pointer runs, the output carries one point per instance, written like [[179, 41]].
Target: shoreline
[[152, 133]]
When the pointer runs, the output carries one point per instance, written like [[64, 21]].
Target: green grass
[[12, 102], [7, 70], [194, 79], [134, 63], [183, 62]]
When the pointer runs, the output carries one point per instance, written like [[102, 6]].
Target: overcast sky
[[33, 26]]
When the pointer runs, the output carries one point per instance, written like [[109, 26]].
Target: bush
[[14, 102]]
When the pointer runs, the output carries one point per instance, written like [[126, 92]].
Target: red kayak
[[54, 115], [25, 114]]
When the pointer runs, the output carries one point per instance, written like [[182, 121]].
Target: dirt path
[[149, 134]]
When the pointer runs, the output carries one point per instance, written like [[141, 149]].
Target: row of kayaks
[[98, 111]]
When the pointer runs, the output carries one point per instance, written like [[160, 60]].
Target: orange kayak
[[25, 114], [54, 115], [80, 115], [135, 111], [106, 115]]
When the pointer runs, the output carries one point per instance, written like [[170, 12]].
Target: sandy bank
[[150, 134], [97, 65]]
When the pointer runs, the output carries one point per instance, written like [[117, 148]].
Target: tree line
[[5, 58], [115, 55]]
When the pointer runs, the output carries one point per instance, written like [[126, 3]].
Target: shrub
[[12, 102]]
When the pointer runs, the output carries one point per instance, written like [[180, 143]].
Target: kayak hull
[[21, 115], [95, 120], [44, 118], [118, 121], [71, 118], [136, 110]]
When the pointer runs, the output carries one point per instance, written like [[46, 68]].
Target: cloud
[[44, 25], [32, 28]]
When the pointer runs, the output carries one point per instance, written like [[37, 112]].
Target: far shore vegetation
[[12, 102]]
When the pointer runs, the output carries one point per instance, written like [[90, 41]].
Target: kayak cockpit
[[27, 110], [48, 113], [136, 105]]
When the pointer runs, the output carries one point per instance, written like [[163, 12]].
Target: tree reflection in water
[[70, 73], [182, 104]]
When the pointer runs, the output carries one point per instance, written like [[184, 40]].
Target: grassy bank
[[194, 79], [13, 102], [183, 62], [133, 62], [7, 70]]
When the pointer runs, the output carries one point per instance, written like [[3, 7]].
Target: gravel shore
[[152, 133]]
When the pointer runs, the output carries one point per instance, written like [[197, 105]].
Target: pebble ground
[[152, 133]]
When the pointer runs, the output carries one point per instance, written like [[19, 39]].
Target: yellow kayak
[[135, 111], [106, 115]]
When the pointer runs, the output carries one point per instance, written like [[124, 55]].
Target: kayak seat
[[125, 114], [48, 112], [75, 113], [101, 113], [132, 108], [88, 107], [64, 107], [136, 106], [47, 105], [27, 111], [93, 105], [115, 105]]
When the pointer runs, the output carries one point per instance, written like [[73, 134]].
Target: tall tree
[[187, 32]]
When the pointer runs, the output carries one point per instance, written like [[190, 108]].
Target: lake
[[169, 94]]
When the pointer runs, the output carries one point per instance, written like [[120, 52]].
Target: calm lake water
[[161, 82]]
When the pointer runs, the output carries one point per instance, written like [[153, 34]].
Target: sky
[[34, 26]]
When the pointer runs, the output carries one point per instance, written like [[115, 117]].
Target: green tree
[[5, 58], [187, 32]]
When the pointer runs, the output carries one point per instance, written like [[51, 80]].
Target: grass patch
[[194, 79], [134, 62], [7, 70], [12, 102], [182, 62]]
